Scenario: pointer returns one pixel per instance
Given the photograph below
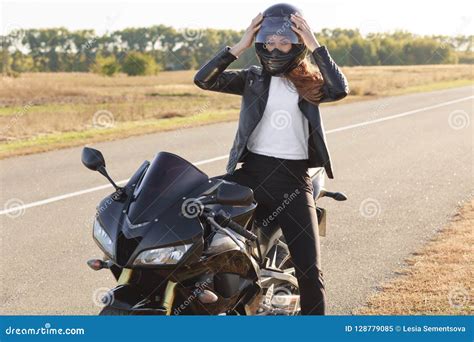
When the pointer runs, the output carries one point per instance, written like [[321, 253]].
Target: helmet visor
[[275, 30]]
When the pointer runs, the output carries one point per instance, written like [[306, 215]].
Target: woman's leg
[[288, 193], [248, 175], [299, 224]]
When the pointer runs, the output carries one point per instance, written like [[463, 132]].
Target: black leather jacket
[[253, 84]]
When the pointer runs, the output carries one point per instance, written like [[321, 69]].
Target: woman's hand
[[248, 37], [301, 27]]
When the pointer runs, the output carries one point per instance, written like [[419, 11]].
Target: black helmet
[[277, 23]]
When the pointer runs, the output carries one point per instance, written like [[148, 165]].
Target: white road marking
[[207, 161], [395, 116]]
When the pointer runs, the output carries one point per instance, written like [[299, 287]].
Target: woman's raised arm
[[335, 85], [212, 76]]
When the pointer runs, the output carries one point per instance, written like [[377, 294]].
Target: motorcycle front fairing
[[151, 215]]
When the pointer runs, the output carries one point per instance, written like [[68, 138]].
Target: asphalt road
[[405, 162]]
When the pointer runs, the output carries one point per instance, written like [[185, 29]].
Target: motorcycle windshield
[[167, 179]]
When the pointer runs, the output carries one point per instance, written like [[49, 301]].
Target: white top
[[283, 130]]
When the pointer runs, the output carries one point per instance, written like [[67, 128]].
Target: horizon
[[366, 16]]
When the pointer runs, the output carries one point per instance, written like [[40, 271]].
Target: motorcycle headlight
[[103, 238], [162, 256]]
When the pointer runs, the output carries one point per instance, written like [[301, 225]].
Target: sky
[[419, 17]]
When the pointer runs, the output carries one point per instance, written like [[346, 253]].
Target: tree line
[[139, 51]]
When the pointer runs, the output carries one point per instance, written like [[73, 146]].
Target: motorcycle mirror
[[234, 194], [92, 159]]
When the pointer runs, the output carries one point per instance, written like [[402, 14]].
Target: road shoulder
[[438, 280]]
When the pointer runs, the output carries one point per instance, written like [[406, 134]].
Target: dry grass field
[[44, 111], [439, 280]]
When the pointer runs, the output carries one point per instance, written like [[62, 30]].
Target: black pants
[[284, 193]]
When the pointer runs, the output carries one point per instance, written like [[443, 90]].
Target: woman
[[280, 132]]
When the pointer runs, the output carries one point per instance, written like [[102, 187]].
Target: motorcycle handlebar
[[242, 231], [224, 220]]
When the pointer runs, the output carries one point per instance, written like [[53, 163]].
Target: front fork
[[168, 297]]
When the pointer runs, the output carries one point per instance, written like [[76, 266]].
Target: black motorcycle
[[181, 243]]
